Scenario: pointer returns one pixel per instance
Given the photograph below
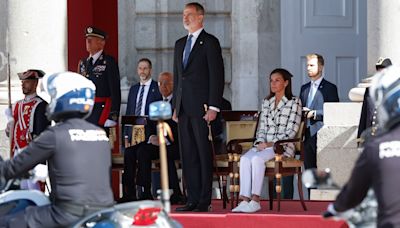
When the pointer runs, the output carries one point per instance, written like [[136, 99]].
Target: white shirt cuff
[[215, 108]]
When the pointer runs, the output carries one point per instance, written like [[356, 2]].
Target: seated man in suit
[[150, 150], [139, 98]]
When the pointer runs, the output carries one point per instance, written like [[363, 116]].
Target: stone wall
[[34, 36], [383, 33], [336, 140], [249, 33]]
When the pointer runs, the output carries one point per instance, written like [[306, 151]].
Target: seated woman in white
[[280, 119]]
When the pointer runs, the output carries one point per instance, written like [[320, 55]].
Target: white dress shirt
[[145, 93], [95, 56]]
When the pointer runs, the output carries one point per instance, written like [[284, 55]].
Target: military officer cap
[[31, 74], [92, 31], [383, 63]]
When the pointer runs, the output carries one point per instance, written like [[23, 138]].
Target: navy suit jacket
[[327, 92], [202, 81], [153, 95]]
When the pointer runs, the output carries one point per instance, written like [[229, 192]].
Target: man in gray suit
[[313, 95]]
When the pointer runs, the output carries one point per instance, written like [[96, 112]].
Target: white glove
[[9, 126], [110, 123], [311, 114], [338, 215], [8, 114], [40, 173]]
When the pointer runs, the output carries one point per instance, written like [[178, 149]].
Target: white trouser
[[252, 169]]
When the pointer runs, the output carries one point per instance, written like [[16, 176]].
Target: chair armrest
[[234, 145], [278, 145]]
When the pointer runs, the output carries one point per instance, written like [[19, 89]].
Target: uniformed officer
[[378, 165], [68, 147], [103, 71], [368, 116], [28, 117]]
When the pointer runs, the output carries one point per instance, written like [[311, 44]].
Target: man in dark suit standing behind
[[313, 95], [198, 81], [140, 96]]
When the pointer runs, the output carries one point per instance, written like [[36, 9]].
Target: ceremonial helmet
[[385, 91], [70, 93]]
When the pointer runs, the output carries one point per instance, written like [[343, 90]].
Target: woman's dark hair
[[287, 76]]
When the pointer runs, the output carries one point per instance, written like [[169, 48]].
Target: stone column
[[149, 28], [383, 33], [34, 35], [245, 54], [255, 50]]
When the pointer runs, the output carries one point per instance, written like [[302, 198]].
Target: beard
[[186, 26], [143, 77]]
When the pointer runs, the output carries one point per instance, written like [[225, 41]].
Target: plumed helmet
[[70, 94], [385, 91]]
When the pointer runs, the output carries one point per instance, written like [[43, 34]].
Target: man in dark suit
[[198, 81], [139, 98], [103, 71], [150, 150], [313, 95]]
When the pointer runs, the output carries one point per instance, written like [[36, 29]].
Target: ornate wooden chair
[[283, 166], [277, 168], [237, 124], [117, 165]]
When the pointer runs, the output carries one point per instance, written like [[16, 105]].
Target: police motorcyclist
[[78, 156], [379, 164]]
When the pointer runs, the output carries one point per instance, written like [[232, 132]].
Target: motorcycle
[[13, 200], [132, 214], [142, 213], [364, 215]]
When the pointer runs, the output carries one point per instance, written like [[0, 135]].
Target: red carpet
[[291, 215]]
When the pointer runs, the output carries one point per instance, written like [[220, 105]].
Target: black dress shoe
[[177, 199], [202, 208], [187, 207]]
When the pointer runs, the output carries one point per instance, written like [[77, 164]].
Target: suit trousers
[[252, 170], [310, 148], [196, 158], [148, 152], [129, 175]]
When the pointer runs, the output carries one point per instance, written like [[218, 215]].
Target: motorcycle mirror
[[308, 179], [313, 178], [160, 110]]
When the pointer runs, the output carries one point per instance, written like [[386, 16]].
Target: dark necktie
[[90, 64], [139, 103], [187, 50], [166, 99]]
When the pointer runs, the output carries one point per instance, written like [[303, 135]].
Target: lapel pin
[[201, 42]]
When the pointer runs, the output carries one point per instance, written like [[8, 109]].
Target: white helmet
[[385, 91], [70, 94]]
